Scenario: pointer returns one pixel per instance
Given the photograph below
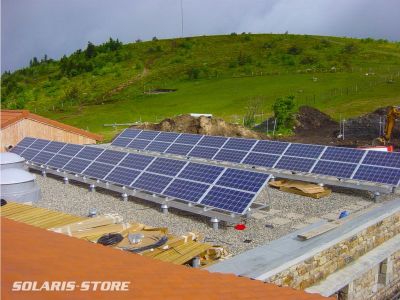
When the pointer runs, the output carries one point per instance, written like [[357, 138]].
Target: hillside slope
[[114, 83]]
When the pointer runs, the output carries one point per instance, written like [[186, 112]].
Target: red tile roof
[[9, 117], [34, 254]]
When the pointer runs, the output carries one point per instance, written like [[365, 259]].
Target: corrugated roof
[[34, 254], [9, 117]]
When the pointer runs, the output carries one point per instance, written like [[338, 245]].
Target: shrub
[[193, 73], [309, 60], [284, 112], [294, 50]]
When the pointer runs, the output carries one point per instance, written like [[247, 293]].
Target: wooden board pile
[[177, 249], [301, 188]]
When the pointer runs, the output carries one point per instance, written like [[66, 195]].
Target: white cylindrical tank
[[11, 160], [18, 185]]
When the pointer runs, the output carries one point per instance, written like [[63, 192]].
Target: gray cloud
[[56, 27]]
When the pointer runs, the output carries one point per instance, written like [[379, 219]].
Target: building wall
[[315, 268], [14, 133]]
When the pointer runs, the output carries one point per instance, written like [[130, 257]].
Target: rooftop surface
[[9, 117], [34, 254]]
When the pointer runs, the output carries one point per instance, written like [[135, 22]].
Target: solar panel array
[[217, 187], [343, 163]]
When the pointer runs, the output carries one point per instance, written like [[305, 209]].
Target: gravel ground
[[288, 212]]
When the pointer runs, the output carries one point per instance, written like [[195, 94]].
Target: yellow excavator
[[392, 115]]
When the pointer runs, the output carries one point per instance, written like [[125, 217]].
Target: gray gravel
[[294, 210]]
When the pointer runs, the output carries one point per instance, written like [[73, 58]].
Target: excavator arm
[[393, 114]]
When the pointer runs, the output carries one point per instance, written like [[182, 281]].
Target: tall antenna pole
[[182, 17]]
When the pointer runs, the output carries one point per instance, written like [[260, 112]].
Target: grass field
[[218, 74]]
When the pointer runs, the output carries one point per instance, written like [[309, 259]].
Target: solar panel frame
[[212, 141], [378, 174], [147, 135], [234, 156], [349, 155], [382, 159], [229, 200], [136, 161], [186, 190], [130, 133], [203, 152], [261, 159], [334, 168], [239, 144], [111, 157], [179, 149], [166, 166], [305, 150], [139, 144], [26, 142], [58, 161], [201, 172], [248, 181], [98, 170], [43, 157], [270, 147], [150, 182], [295, 164], [122, 176], [70, 149], [121, 142]]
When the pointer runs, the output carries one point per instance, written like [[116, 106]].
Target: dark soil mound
[[310, 120]]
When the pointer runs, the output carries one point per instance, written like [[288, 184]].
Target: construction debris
[[301, 188]]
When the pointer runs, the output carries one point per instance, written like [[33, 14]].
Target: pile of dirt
[[312, 121], [202, 125]]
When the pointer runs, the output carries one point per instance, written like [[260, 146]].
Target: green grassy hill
[[221, 75]]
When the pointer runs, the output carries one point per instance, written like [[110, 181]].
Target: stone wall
[[319, 266]]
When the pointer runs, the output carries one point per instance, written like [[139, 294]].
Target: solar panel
[[167, 137], [378, 174], [166, 166], [234, 156], [42, 157], [28, 154], [243, 180], [261, 159], [148, 135], [152, 182], [179, 149], [157, 146], [189, 139], [39, 144], [26, 142], [240, 144], [186, 190], [138, 144], [212, 141], [227, 199], [343, 154], [59, 161], [122, 176], [77, 165], [295, 164], [200, 172], [89, 153], [136, 161], [271, 147], [337, 169], [111, 157], [70, 149], [385, 159], [130, 133], [303, 150], [121, 142], [18, 149], [203, 152], [54, 147], [98, 170]]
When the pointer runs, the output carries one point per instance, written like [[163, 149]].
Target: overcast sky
[[56, 27]]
